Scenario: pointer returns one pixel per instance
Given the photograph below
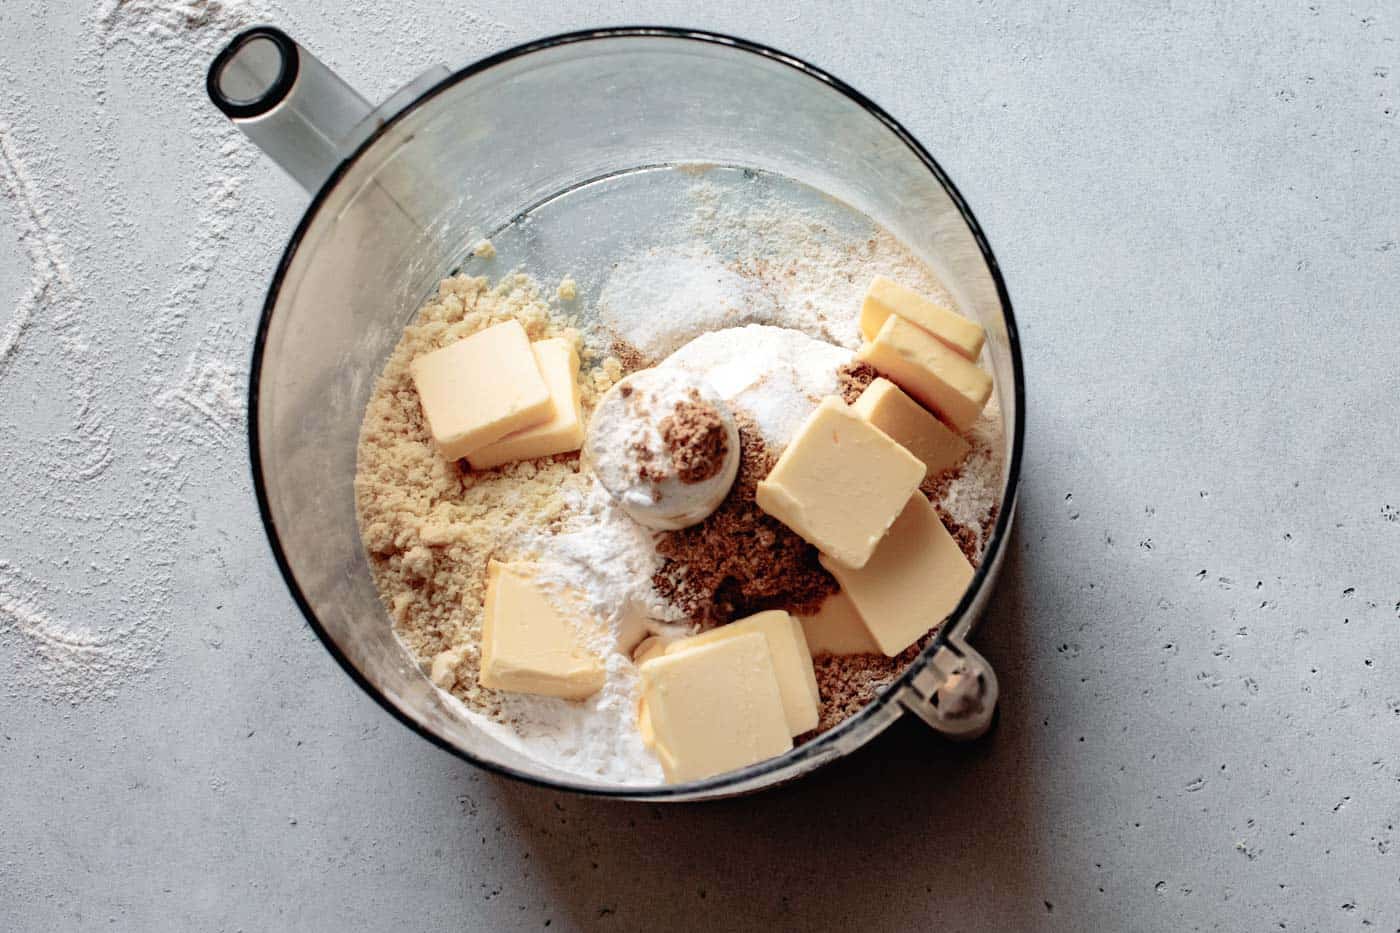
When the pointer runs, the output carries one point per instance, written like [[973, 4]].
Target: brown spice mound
[[854, 378], [741, 560], [695, 438]]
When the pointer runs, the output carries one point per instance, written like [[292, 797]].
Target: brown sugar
[[849, 682], [629, 356], [741, 560]]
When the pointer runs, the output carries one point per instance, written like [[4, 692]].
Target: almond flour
[[429, 525]]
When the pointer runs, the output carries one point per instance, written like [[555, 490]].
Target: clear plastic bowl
[[400, 193]]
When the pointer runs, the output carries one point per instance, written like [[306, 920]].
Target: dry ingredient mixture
[[772, 337]]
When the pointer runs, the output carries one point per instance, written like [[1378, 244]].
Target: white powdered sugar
[[778, 376], [752, 256]]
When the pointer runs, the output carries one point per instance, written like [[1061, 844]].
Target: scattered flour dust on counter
[[173, 19], [50, 272], [76, 660], [85, 596]]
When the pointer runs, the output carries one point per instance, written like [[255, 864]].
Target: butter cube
[[840, 483], [927, 369], [715, 708], [884, 405], [653, 646], [481, 388], [837, 629], [886, 296], [792, 662], [527, 644], [644, 724], [558, 364], [911, 583]]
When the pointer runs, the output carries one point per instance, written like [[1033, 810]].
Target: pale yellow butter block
[[886, 406], [558, 363], [527, 644], [927, 369], [797, 681], [838, 630], [714, 708], [653, 646], [840, 483], [644, 724], [912, 581], [886, 296], [481, 388]]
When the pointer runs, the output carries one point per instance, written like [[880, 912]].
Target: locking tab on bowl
[[955, 693]]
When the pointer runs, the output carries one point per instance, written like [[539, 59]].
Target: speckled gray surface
[[1197, 633]]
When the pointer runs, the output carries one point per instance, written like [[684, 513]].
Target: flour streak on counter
[[50, 270], [89, 614]]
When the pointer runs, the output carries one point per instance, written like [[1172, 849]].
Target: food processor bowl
[[401, 191]]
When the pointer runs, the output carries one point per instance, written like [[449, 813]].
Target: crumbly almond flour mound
[[429, 525]]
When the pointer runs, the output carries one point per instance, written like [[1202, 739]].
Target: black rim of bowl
[[818, 746]]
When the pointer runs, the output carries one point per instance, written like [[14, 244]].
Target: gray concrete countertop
[[1197, 208]]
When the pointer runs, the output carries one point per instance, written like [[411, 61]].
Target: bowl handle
[[298, 111], [955, 693]]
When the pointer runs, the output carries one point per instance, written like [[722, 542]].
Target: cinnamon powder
[[695, 438]]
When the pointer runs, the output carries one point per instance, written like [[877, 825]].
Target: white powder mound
[[971, 497], [778, 376], [662, 297], [757, 258], [596, 737], [811, 265], [606, 556], [609, 559]]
